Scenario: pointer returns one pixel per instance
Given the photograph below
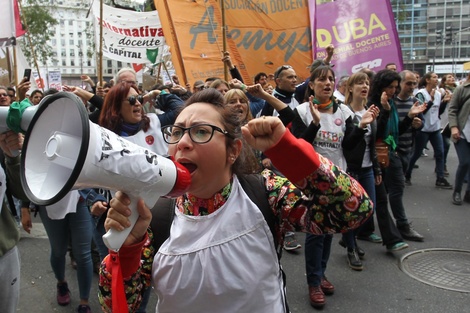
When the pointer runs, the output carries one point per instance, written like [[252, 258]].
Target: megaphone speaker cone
[[55, 148]]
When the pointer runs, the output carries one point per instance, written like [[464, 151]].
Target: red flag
[[137, 67], [18, 25]]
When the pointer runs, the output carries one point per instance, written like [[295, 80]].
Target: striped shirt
[[405, 140]]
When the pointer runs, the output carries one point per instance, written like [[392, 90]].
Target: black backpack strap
[[163, 213]]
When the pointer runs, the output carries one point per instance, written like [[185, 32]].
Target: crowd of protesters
[[236, 129]]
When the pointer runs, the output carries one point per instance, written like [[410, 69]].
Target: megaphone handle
[[114, 239], [14, 153]]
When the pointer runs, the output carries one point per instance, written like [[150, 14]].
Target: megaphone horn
[[63, 150]]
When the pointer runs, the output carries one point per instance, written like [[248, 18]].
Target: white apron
[[223, 262], [152, 139]]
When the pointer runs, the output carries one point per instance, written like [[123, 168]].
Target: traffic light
[[449, 34], [439, 36]]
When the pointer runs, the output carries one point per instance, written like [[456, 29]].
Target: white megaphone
[[16, 118], [63, 150]]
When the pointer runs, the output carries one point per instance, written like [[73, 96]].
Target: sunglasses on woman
[[133, 99]]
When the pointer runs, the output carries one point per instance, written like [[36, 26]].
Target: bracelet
[[244, 87]]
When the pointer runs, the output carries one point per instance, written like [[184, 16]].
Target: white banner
[[55, 79], [129, 36], [445, 68], [42, 82], [7, 23]]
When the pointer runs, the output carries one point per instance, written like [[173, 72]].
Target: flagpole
[[31, 46], [166, 70], [100, 51], [224, 36], [159, 71], [15, 70]]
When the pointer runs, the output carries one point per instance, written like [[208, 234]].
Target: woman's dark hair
[[110, 116], [35, 91], [50, 91], [320, 71], [382, 79], [443, 81], [422, 82], [246, 162]]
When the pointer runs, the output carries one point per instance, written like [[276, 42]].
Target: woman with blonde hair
[[238, 99]]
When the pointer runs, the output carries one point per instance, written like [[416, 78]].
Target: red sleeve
[[129, 257], [294, 158]]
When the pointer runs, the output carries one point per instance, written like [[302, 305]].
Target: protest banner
[[363, 33], [129, 36], [260, 36], [55, 79]]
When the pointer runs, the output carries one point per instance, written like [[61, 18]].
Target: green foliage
[[40, 27], [398, 7], [149, 5]]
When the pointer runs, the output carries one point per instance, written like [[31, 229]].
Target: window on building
[[119, 64], [72, 63], [70, 23], [110, 63], [64, 63], [62, 42], [71, 42]]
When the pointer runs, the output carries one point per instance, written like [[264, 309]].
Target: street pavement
[[380, 287]]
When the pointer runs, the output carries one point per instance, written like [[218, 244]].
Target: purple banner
[[363, 33]]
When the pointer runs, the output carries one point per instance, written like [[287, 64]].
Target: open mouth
[[191, 167]]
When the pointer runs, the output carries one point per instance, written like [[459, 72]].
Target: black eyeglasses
[[280, 69], [3, 95], [201, 133], [132, 99], [411, 83]]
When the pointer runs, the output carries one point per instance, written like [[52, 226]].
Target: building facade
[[434, 34], [74, 50]]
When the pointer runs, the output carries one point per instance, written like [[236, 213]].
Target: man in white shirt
[[341, 88]]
